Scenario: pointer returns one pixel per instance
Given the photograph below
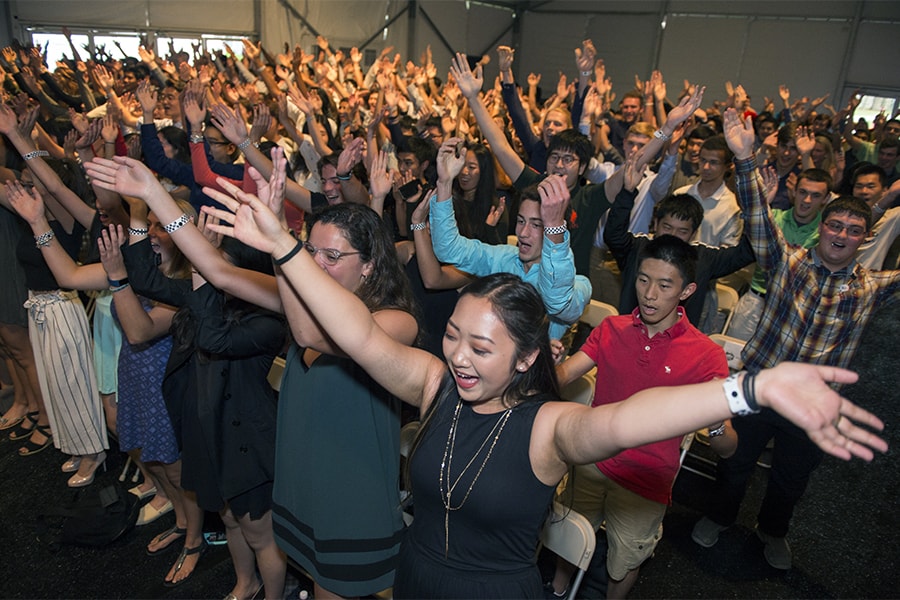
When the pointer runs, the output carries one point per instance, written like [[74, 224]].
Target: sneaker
[[550, 593], [706, 532], [777, 550]]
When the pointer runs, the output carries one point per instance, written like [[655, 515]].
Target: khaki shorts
[[633, 523]]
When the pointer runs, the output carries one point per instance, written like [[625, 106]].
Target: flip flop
[[199, 550], [175, 532]]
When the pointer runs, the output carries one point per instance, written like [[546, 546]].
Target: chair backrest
[[407, 435], [276, 373], [596, 311], [728, 299], [732, 347], [570, 535], [580, 390]]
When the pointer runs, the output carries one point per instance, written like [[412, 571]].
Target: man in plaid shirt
[[818, 301]]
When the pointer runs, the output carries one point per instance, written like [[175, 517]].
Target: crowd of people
[[231, 207]]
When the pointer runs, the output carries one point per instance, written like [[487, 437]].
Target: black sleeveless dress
[[490, 549]]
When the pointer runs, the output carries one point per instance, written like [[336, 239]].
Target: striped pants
[[58, 329]]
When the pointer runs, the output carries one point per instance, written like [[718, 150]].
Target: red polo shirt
[[628, 361]]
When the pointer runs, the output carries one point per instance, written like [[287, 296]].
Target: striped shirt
[[811, 314]]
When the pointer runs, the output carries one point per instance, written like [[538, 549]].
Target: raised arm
[[765, 236], [69, 200], [130, 177], [470, 85], [411, 374], [435, 276], [138, 325], [67, 273]]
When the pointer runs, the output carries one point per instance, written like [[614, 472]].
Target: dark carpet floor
[[843, 534]]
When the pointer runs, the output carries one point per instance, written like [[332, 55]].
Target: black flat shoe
[[184, 554], [20, 432], [29, 447]]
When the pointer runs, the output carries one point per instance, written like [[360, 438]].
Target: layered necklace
[[444, 479]]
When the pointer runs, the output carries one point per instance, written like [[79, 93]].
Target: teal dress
[[337, 466]]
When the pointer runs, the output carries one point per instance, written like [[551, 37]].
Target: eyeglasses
[[217, 142], [566, 159], [836, 227], [329, 255]]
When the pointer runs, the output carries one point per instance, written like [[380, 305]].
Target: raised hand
[[450, 159], [229, 123], [505, 56], [738, 134], [194, 112], [249, 221], [806, 140], [109, 129], [469, 82], [495, 213], [351, 155], [126, 176], [685, 108], [769, 177], [213, 237], [379, 177], [585, 56], [262, 122], [146, 94], [554, 200], [27, 202], [785, 94], [110, 243]]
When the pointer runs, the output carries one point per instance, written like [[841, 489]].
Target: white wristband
[[736, 400]]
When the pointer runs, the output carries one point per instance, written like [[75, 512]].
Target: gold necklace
[[446, 489]]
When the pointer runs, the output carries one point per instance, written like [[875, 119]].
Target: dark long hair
[[178, 139], [387, 285], [471, 216], [519, 307]]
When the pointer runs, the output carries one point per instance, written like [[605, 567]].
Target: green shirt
[[796, 235]]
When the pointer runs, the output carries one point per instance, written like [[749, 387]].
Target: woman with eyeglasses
[[336, 500]]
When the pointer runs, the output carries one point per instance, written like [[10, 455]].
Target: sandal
[[30, 447], [10, 423], [198, 550], [20, 433], [175, 532]]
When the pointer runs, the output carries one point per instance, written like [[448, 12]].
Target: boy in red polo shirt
[[653, 346]]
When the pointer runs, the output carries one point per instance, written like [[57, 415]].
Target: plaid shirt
[[811, 314]]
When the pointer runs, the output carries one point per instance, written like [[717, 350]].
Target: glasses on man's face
[[212, 142], [836, 227], [330, 256], [566, 159]]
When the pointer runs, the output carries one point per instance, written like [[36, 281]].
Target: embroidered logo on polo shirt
[[668, 369]]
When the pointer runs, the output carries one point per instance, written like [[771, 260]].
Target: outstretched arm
[[798, 392]]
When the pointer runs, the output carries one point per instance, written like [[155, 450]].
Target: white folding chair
[[580, 390], [570, 535], [733, 348], [276, 373], [596, 311], [728, 299]]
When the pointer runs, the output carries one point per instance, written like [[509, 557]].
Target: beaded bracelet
[[177, 223], [34, 154], [197, 138], [43, 240]]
